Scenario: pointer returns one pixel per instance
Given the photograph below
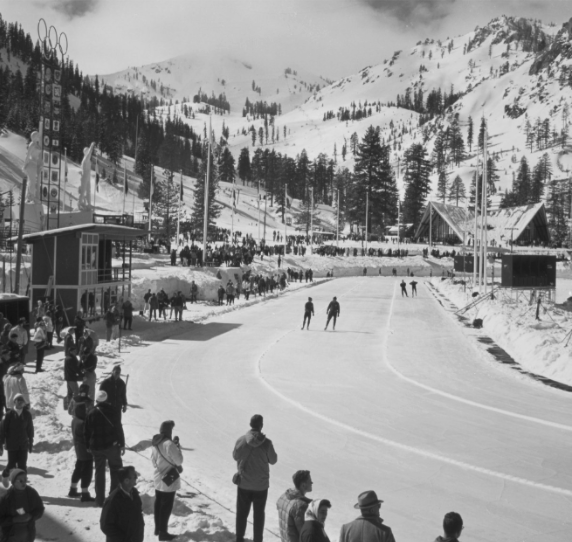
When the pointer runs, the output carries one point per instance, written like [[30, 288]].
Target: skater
[[333, 311], [403, 288], [394, 272], [308, 313], [452, 528], [413, 287]]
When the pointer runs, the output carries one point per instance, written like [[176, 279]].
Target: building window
[[89, 244]]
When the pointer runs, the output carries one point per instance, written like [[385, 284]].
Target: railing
[[114, 274]]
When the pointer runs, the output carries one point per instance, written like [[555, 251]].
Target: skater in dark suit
[[403, 288], [333, 311], [308, 313]]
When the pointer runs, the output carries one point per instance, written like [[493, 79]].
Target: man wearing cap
[[105, 440], [253, 454], [20, 508], [308, 313], [369, 526], [17, 436]]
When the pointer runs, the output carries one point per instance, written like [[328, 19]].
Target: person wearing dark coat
[[17, 436], [369, 526], [452, 528], [122, 515], [403, 288], [79, 326], [308, 313], [83, 470], [333, 311], [127, 314], [20, 508], [315, 517], [104, 438], [72, 374], [116, 390]]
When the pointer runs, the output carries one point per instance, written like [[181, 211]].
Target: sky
[[332, 38]]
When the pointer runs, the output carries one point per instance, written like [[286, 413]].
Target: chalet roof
[[109, 231], [503, 224]]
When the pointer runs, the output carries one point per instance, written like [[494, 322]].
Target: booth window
[[89, 244]]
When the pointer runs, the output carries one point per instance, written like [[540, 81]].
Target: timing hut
[[83, 268]]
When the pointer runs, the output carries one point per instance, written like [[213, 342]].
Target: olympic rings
[[51, 41]]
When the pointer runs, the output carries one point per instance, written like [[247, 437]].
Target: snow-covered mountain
[[217, 73], [510, 71]]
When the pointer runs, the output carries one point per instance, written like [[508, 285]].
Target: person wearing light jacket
[[165, 455], [15, 383], [254, 453], [316, 514]]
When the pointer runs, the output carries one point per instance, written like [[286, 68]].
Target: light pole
[[311, 220], [338, 221]]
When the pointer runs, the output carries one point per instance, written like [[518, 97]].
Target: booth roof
[[110, 231]]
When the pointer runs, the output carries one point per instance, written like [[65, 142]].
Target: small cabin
[[84, 268]]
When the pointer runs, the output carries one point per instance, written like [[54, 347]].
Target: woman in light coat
[[165, 455]]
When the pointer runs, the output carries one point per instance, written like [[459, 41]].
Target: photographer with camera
[[167, 459]]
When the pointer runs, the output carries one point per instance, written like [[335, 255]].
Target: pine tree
[[482, 132], [442, 184], [165, 194], [244, 171], [438, 156], [417, 183], [522, 185], [197, 217], [456, 143], [457, 191], [226, 170], [470, 134]]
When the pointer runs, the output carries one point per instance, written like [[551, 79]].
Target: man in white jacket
[[14, 383], [167, 458]]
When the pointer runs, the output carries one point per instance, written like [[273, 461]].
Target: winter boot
[[86, 497], [73, 492], [167, 536]]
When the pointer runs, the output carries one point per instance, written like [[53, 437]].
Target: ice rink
[[398, 399]]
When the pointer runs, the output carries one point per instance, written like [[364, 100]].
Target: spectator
[[154, 305], [17, 436], [49, 331], [15, 384], [20, 508], [88, 366], [369, 526], [19, 336], [88, 343], [104, 438], [83, 470], [127, 314], [116, 390], [316, 514], [452, 528], [253, 453], [122, 515], [221, 293], [146, 298], [110, 321], [72, 374], [82, 396], [79, 326], [69, 340], [165, 456], [5, 336], [194, 292], [39, 340], [292, 506]]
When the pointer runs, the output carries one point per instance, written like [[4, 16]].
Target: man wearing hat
[[20, 508], [369, 526], [104, 439], [253, 454]]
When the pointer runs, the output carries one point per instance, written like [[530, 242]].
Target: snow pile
[[540, 347]]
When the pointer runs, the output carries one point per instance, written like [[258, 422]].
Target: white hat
[[101, 396]]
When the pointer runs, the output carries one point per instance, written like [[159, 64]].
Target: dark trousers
[[16, 458], [40, 350], [413, 291], [330, 316], [83, 471], [307, 316], [50, 335], [102, 457], [163, 507], [404, 292], [152, 312], [244, 499], [127, 321]]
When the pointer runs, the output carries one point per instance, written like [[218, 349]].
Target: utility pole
[[285, 224], [430, 226], [338, 222], [151, 201], [179, 209], [475, 237], [366, 216], [206, 213], [484, 207], [312, 220], [20, 234]]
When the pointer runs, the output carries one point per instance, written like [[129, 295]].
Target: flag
[[125, 185], [96, 175]]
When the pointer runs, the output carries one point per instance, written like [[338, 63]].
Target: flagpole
[[484, 206], [285, 225], [179, 209], [95, 183], [124, 183], [206, 213], [151, 200], [232, 214], [65, 176]]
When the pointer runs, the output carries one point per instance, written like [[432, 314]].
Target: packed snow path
[[397, 399]]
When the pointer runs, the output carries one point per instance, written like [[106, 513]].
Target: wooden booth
[[83, 268]]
